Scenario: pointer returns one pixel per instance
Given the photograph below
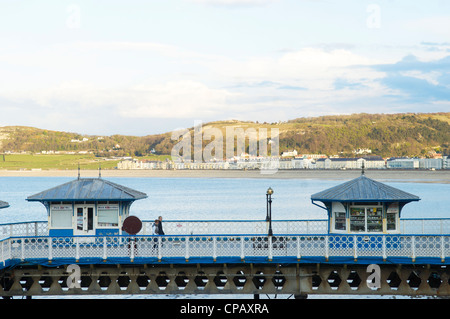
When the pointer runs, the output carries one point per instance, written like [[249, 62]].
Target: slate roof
[[3, 204], [88, 189], [363, 189]]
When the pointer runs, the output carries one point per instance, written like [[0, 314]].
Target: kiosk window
[[339, 221], [366, 219], [108, 216], [391, 219], [61, 216]]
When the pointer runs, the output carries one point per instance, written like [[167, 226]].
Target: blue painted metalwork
[[213, 249]]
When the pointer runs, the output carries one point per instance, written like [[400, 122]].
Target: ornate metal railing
[[212, 247], [438, 226]]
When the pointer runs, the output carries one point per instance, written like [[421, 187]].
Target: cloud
[[257, 88], [412, 63], [340, 84], [417, 90], [161, 83], [175, 99], [309, 68], [429, 26], [418, 81]]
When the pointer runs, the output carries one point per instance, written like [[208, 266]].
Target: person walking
[[155, 227], [161, 231]]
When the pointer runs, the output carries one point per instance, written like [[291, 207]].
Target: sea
[[218, 199]]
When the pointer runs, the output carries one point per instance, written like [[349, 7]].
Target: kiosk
[[87, 206], [363, 205]]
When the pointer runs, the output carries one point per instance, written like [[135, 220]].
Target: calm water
[[214, 198]]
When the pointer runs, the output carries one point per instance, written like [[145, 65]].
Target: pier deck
[[32, 263]]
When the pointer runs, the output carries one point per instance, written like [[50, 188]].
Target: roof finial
[[362, 168], [100, 170], [78, 170]]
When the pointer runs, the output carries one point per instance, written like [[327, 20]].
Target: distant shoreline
[[424, 176]]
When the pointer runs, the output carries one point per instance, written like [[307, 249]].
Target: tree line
[[386, 135]]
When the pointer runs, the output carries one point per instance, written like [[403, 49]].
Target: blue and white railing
[[438, 226], [427, 240], [434, 249]]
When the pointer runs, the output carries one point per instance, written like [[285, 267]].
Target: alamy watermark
[[73, 20], [251, 145], [74, 279], [373, 20], [374, 279]]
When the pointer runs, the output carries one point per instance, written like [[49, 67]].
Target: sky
[[140, 67]]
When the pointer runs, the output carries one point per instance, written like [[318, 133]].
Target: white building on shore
[[371, 162], [283, 163], [402, 163]]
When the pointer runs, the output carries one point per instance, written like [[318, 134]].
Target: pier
[[290, 263], [363, 247]]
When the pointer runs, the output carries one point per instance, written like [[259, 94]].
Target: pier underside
[[250, 279]]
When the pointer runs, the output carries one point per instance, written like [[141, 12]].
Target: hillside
[[385, 134]]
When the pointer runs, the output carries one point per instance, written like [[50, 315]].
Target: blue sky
[[144, 67]]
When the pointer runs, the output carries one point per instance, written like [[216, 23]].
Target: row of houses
[[370, 162]]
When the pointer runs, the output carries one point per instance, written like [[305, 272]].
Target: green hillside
[[386, 135]]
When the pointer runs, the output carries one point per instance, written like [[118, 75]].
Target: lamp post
[[269, 209]]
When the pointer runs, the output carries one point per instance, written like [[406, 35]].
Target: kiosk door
[[84, 219]]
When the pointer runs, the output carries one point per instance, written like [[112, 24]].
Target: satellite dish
[[132, 225]]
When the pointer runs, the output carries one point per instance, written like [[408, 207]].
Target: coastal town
[[291, 160]]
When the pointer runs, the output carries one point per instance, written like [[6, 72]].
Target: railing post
[[270, 249], [9, 249], [214, 248], [105, 244], [131, 241], [187, 249], [442, 249], [327, 253], [159, 248], [298, 248], [77, 248], [355, 248], [242, 248], [413, 248], [384, 248], [50, 252], [22, 246]]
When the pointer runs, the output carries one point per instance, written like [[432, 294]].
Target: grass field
[[27, 161], [63, 162]]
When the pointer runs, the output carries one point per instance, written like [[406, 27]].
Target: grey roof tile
[[363, 189], [88, 189], [3, 204]]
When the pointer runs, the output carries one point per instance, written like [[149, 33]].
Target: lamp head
[[269, 191]]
